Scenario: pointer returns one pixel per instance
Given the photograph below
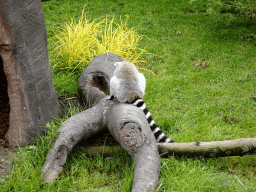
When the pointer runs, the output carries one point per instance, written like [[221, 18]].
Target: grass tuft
[[79, 42]]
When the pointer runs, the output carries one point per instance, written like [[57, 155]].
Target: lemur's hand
[[117, 63], [110, 97]]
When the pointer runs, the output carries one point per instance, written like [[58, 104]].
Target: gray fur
[[127, 83]]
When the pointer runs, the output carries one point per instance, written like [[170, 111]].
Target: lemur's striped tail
[[158, 133]]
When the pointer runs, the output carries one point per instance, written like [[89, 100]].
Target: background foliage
[[230, 8]]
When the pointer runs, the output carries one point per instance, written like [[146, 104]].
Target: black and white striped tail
[[158, 133]]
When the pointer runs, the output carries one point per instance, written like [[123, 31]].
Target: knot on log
[[131, 137], [100, 80], [7, 47]]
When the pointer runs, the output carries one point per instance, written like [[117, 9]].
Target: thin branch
[[101, 149], [237, 147]]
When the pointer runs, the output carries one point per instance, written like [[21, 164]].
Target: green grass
[[203, 90]]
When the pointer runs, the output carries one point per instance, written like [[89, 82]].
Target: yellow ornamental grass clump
[[79, 42]]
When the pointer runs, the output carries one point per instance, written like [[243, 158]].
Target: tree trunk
[[23, 50]]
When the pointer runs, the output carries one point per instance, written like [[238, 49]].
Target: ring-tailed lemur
[[128, 86]]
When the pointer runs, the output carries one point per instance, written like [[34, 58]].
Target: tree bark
[[237, 147]]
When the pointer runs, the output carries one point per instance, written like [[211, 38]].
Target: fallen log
[[126, 123]]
